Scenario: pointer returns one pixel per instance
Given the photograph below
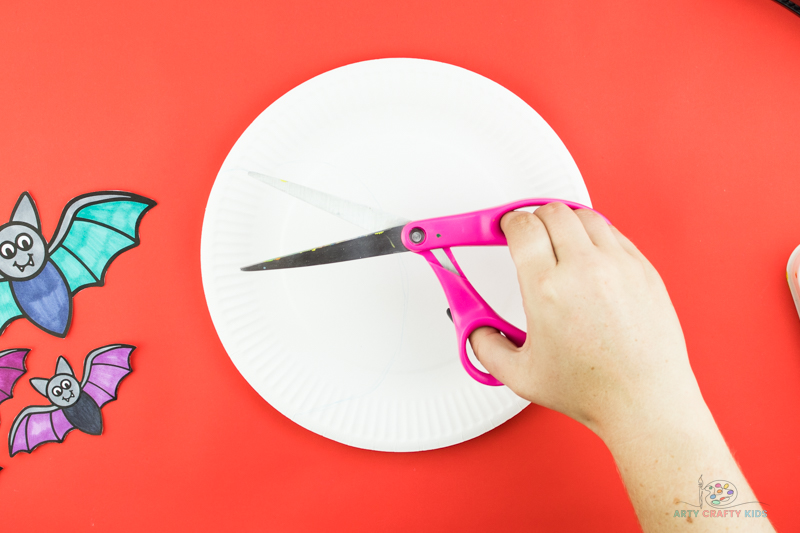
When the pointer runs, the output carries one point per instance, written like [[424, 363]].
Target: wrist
[[655, 415]]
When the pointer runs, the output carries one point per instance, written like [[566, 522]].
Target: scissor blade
[[362, 216], [381, 243]]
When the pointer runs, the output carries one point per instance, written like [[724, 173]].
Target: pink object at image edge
[[792, 268], [468, 309]]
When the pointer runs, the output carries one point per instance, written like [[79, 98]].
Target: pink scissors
[[468, 310]]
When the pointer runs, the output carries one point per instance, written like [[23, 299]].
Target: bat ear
[[25, 211], [62, 367], [40, 385]]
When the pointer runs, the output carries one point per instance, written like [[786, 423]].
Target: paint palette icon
[[720, 493]]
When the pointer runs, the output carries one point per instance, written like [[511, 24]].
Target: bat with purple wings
[[73, 404], [12, 366]]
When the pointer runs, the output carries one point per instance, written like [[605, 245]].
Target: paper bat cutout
[[73, 405], [39, 278], [12, 366]]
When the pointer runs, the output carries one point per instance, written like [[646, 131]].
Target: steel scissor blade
[[361, 215], [381, 243]]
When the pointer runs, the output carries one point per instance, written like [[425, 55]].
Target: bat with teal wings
[[38, 278]]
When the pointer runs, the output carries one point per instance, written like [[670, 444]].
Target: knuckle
[[553, 208], [478, 340], [588, 214], [517, 222], [547, 288]]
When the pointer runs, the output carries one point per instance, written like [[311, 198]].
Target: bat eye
[[66, 385], [24, 242], [8, 250], [56, 391]]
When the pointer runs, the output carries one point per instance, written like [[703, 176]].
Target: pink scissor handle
[[469, 312], [467, 308], [478, 228]]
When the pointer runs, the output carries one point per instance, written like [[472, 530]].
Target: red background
[[682, 117]]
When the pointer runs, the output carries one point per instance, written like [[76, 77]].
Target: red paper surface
[[682, 117]]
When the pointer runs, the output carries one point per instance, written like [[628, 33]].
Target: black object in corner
[[791, 6]]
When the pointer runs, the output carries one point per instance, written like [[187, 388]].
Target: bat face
[[72, 407], [23, 251], [40, 277], [63, 390]]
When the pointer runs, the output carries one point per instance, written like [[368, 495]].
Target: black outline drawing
[[71, 214], [102, 372], [6, 367]]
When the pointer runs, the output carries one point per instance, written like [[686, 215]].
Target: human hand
[[605, 347], [604, 344]]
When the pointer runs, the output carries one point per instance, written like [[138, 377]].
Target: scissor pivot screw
[[417, 235]]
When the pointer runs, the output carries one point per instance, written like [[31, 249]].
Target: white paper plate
[[363, 352]]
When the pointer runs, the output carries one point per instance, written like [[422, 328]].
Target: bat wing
[[103, 371], [9, 310], [94, 229], [12, 366], [37, 425]]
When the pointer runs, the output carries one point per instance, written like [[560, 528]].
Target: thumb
[[496, 353]]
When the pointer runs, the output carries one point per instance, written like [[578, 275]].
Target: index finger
[[567, 234], [528, 242]]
